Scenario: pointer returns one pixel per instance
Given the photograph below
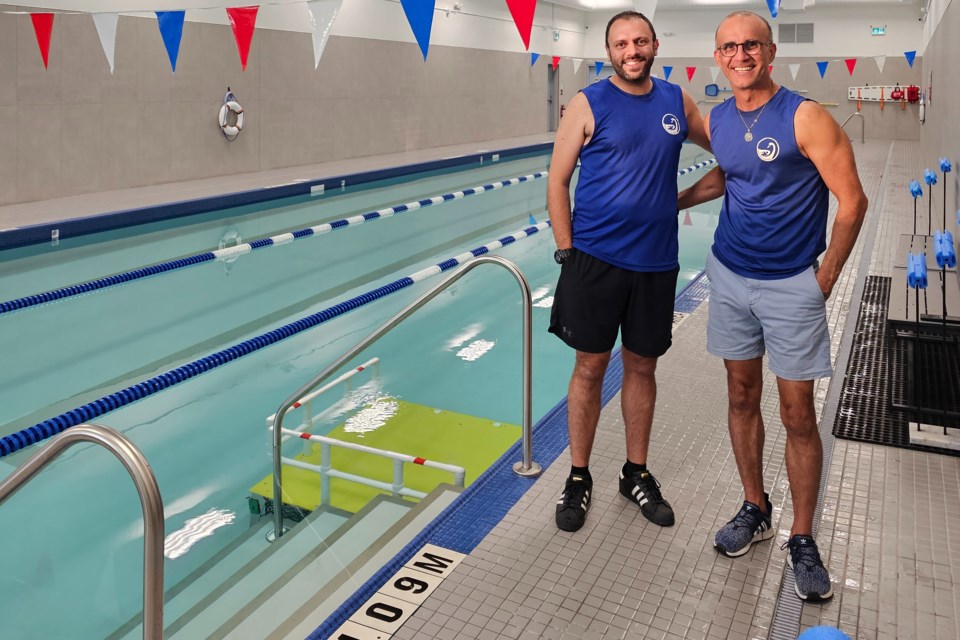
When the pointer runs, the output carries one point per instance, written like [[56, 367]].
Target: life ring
[[231, 131]]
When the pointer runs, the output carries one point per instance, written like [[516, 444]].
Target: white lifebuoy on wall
[[230, 105]]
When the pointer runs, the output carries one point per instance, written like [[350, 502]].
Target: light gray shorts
[[786, 318]]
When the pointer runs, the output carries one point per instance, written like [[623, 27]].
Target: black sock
[[631, 467], [583, 472]]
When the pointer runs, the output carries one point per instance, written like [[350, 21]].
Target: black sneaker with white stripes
[[641, 488], [573, 503]]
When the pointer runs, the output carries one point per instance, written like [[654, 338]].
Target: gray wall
[[75, 128], [940, 134]]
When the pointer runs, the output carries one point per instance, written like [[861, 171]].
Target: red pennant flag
[[243, 20], [522, 12], [770, 68], [687, 222], [43, 27], [556, 61], [690, 72], [851, 63]]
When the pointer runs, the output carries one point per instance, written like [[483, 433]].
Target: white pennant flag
[[794, 68], [880, 61], [713, 74], [106, 24], [322, 15], [576, 64]]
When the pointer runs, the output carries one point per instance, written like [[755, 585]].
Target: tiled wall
[[75, 128], [941, 132]]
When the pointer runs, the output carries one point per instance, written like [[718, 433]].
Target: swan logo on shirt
[[671, 124], [768, 149]]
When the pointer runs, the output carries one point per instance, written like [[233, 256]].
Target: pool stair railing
[[253, 588], [525, 467]]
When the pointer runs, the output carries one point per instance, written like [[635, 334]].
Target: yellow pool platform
[[424, 432]]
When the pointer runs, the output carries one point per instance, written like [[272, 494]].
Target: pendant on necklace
[[748, 136]]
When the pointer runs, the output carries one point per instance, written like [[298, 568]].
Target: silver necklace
[[749, 136]]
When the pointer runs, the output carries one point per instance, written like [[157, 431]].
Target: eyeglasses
[[750, 47]]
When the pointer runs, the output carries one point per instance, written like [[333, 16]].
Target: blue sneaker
[[811, 577], [748, 526]]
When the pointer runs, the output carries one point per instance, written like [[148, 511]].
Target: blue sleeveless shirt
[[773, 222], [625, 202]]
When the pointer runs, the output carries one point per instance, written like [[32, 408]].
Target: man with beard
[[779, 157], [619, 253]]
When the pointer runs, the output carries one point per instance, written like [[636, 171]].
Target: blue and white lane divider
[[696, 167], [240, 249], [49, 428]]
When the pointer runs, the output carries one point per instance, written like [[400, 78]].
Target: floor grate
[[878, 378]]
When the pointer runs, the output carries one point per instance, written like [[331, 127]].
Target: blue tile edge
[[73, 227], [464, 523]]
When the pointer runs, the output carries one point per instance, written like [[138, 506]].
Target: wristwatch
[[560, 255]]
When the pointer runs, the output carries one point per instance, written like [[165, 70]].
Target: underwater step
[[423, 435]]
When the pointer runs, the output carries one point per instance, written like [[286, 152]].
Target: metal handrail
[[526, 467], [863, 124], [146, 483]]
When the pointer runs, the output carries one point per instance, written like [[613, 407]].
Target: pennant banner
[[171, 30], [713, 74], [770, 68], [599, 65], [322, 15], [822, 66], [533, 58], [43, 27], [774, 6], [556, 61], [576, 64], [666, 72], [106, 24], [420, 16], [522, 12], [690, 72], [910, 55], [243, 20], [794, 68], [881, 60], [851, 63]]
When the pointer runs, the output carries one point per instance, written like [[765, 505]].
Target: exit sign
[[878, 31]]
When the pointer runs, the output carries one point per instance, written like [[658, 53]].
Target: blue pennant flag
[[910, 55], [533, 58], [774, 6], [420, 16], [599, 66], [823, 67], [666, 72], [171, 30]]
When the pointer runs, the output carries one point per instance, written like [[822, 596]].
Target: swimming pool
[[205, 437]]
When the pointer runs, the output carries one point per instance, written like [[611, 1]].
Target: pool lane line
[[48, 428], [230, 253]]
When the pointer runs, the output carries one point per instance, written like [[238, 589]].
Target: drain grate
[[876, 404]]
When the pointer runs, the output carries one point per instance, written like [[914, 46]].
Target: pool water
[[79, 523]]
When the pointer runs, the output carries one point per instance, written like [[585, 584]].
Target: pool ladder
[[863, 125], [526, 467], [150, 500]]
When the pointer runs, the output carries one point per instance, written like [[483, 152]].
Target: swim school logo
[[768, 149], [671, 124]]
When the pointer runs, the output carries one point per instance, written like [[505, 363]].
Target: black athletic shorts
[[595, 300]]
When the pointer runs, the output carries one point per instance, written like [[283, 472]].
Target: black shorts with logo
[[596, 300]]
